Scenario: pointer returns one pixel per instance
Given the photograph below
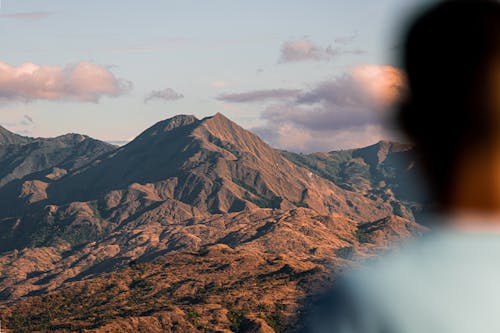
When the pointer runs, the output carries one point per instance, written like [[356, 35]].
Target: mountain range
[[195, 225]]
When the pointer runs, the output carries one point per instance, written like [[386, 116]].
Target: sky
[[305, 75]]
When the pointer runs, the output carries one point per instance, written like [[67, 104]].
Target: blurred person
[[448, 280]]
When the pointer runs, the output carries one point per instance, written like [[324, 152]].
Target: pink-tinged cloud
[[82, 82], [366, 87], [28, 16], [383, 84], [344, 112]]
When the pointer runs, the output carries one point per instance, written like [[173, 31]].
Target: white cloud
[[82, 82]]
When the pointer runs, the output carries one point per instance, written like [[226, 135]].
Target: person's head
[[452, 60]]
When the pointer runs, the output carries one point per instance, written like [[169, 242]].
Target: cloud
[[347, 111], [288, 136], [22, 126], [259, 95], [82, 82], [382, 84], [165, 95], [218, 84], [29, 119], [304, 49], [28, 16]]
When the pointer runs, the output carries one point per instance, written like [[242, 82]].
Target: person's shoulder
[[405, 263], [391, 288]]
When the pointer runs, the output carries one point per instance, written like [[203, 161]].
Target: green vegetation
[[276, 319], [397, 208], [142, 284], [94, 205], [362, 236], [192, 316], [235, 318]]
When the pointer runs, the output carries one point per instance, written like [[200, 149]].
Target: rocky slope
[[196, 225]]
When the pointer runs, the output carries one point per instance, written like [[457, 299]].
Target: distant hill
[[22, 156], [7, 137], [195, 225], [385, 167]]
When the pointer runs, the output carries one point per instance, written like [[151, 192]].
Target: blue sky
[[198, 50]]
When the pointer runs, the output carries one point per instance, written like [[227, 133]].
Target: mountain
[[7, 137], [196, 225], [384, 169], [212, 164], [22, 156]]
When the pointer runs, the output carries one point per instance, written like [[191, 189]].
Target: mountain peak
[[183, 118], [178, 121], [4, 131], [387, 147], [218, 116], [229, 132], [379, 152], [218, 120], [7, 137], [169, 125]]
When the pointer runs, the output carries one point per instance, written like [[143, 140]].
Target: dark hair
[[447, 53]]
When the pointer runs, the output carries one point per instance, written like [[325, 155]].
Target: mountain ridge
[[8, 137], [22, 156], [213, 151]]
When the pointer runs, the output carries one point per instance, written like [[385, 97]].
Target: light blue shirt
[[446, 282]]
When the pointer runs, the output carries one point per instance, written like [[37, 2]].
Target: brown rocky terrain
[[196, 225]]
